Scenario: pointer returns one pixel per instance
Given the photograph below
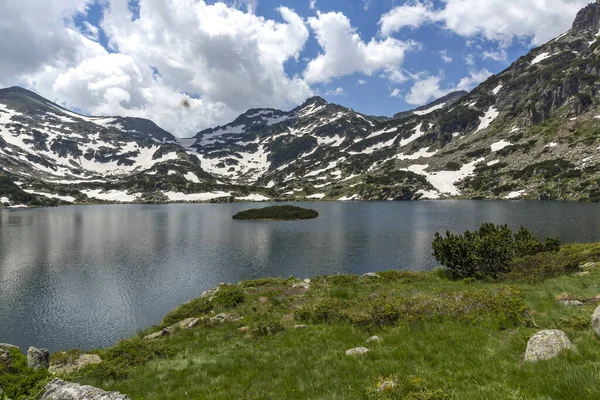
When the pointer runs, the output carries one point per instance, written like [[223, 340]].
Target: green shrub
[[190, 309], [119, 361], [546, 265], [229, 296], [488, 251], [20, 382]]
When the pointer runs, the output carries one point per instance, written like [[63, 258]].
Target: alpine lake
[[87, 276]]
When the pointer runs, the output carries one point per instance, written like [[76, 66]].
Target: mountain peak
[[315, 100], [588, 17]]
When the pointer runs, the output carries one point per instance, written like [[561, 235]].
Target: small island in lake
[[277, 213]]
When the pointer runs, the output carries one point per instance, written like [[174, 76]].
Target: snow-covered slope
[[532, 131]]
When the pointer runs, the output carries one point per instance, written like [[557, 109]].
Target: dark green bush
[[229, 296], [19, 382], [190, 309], [488, 251], [284, 213]]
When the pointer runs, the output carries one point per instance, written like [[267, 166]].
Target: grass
[[441, 339]]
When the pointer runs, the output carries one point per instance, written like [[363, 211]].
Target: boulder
[[74, 365], [596, 321], [156, 335], [300, 326], [302, 285], [547, 344], [8, 347], [371, 275], [570, 303], [38, 358], [62, 390], [358, 351], [5, 361], [374, 339]]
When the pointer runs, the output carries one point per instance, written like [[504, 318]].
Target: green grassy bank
[[440, 339]]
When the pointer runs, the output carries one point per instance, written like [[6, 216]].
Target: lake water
[[88, 276]]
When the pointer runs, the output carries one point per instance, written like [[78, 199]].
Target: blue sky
[[379, 57]]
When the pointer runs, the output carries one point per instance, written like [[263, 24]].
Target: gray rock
[[387, 385], [374, 339], [302, 284], [570, 303], [547, 344], [210, 293], [358, 351], [62, 390], [156, 335], [223, 318], [187, 323], [588, 265], [371, 275], [75, 365], [5, 361], [6, 346], [596, 321], [38, 358], [300, 326]]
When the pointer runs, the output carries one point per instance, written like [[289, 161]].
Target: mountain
[[439, 104], [532, 131]]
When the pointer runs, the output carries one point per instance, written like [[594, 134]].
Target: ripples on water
[[88, 276]]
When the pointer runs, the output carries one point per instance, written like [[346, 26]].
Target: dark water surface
[[88, 276]]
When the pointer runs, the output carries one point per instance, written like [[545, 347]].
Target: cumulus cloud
[[221, 58], [396, 93], [444, 55], [335, 92], [497, 20], [429, 88], [34, 35], [345, 53]]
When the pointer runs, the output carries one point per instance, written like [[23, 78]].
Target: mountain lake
[[87, 276]]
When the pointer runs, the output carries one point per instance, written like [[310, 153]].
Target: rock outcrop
[[5, 361], [38, 358], [547, 344], [596, 321], [62, 390], [74, 365]]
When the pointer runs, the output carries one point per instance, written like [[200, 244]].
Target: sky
[[193, 64]]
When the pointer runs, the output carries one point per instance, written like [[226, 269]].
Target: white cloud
[[445, 56], [396, 93], [312, 4], [226, 58], [497, 20], [429, 88], [362, 82], [335, 92], [470, 59], [345, 53], [499, 55]]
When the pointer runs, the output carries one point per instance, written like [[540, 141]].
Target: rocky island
[[277, 213]]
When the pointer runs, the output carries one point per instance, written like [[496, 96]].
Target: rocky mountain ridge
[[531, 131]]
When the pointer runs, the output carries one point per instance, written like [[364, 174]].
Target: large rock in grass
[[8, 347], [547, 344], [62, 390], [358, 351], [596, 321], [38, 358]]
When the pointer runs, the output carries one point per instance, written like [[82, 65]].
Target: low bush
[[547, 265], [191, 309], [119, 361], [488, 251], [20, 382], [229, 296]]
